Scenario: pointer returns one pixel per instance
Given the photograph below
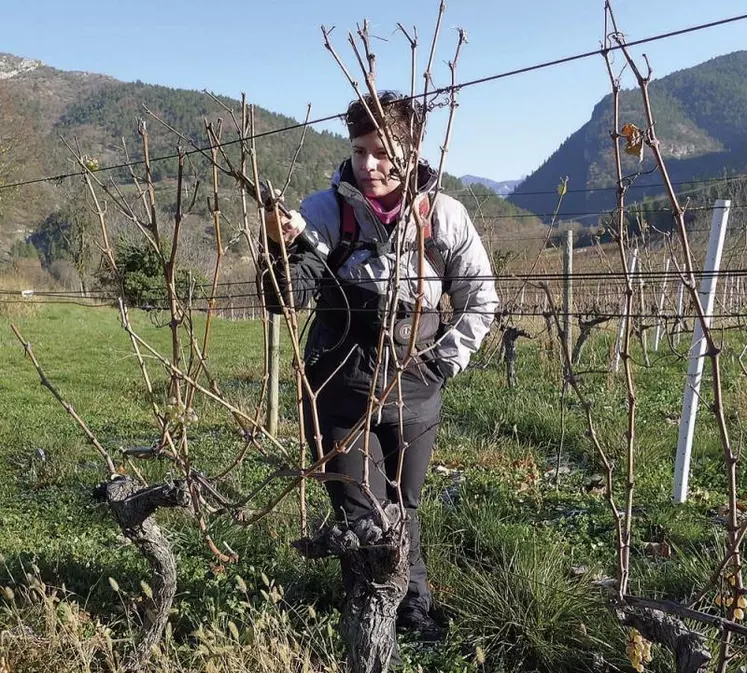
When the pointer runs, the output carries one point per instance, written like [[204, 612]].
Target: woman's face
[[372, 169]]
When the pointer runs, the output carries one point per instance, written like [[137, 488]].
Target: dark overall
[[341, 404]]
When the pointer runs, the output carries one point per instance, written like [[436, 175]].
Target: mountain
[[39, 104], [502, 188], [701, 122], [10, 65]]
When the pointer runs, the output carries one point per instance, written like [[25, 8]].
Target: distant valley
[[502, 188]]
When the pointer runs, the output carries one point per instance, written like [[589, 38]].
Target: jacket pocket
[[425, 370]]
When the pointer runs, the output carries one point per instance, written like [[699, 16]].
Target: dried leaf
[[657, 549], [633, 140]]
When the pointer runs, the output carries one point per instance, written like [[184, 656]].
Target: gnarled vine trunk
[[377, 558], [133, 508]]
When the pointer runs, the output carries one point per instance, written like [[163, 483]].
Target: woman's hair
[[402, 116]]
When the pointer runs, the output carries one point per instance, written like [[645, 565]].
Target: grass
[[515, 560]]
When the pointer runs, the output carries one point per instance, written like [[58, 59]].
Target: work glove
[[285, 228]]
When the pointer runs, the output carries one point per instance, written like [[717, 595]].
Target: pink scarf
[[386, 217]]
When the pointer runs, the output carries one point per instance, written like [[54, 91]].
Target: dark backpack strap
[[436, 258], [349, 232], [348, 236]]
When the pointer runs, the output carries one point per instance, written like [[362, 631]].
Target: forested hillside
[[100, 114], [53, 220], [701, 121], [110, 113]]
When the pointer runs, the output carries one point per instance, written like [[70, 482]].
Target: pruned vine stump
[[376, 555]]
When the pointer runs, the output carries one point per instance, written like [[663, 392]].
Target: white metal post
[[624, 313], [568, 291], [662, 297], [697, 352]]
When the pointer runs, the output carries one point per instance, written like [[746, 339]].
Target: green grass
[[513, 559]]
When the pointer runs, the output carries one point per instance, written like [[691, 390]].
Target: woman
[[353, 226]]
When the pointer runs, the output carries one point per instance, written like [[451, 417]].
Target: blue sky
[[274, 52]]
